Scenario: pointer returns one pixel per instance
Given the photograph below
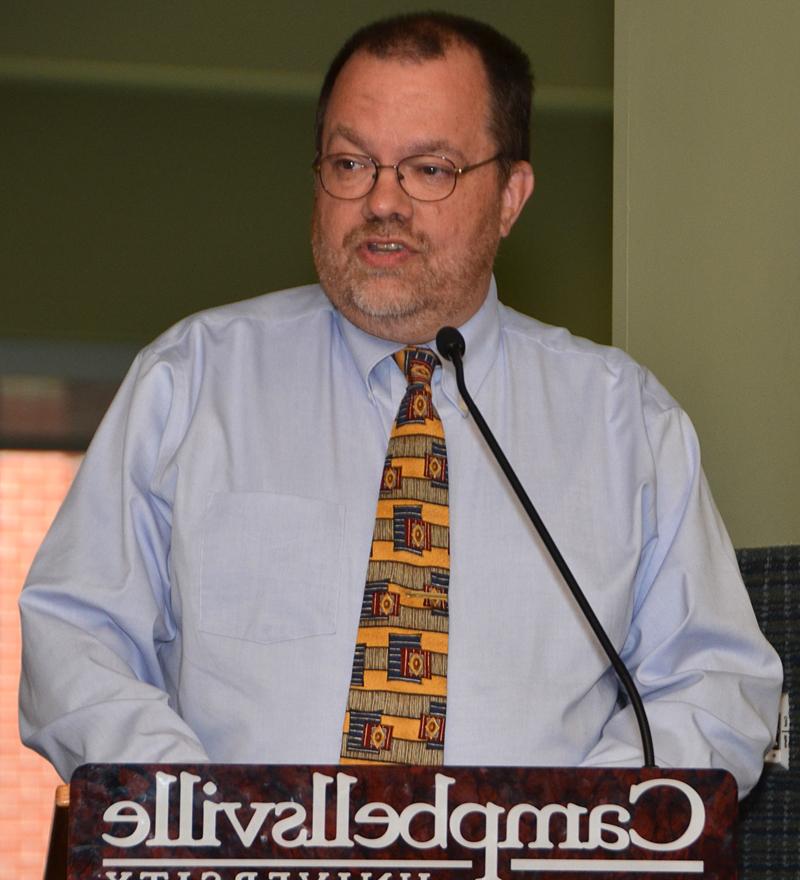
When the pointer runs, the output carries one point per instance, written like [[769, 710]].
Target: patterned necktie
[[398, 689]]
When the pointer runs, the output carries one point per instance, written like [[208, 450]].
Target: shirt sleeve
[[709, 679], [96, 606]]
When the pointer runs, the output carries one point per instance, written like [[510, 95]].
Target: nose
[[387, 198]]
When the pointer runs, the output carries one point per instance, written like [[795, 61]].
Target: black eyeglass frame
[[316, 166]]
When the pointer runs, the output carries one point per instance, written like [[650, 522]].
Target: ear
[[516, 192]]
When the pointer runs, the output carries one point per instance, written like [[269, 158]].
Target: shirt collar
[[481, 334]]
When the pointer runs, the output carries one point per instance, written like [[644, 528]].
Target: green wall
[[707, 225], [155, 160]]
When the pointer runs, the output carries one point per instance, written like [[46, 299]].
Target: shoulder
[[215, 358], [295, 315], [563, 356], [524, 334]]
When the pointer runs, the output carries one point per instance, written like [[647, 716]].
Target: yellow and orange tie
[[398, 690]]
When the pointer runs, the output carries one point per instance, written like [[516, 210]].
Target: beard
[[405, 301]]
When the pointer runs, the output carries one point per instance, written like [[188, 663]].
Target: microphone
[[451, 344], [452, 347]]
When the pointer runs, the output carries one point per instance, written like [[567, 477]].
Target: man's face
[[396, 267]]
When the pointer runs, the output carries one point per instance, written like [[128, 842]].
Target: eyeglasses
[[426, 178]]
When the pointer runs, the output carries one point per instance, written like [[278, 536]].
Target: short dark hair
[[422, 36]]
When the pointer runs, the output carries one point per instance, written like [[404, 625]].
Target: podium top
[[251, 821]]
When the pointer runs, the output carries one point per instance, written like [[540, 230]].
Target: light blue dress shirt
[[198, 594]]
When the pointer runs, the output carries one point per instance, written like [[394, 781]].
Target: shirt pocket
[[271, 566]]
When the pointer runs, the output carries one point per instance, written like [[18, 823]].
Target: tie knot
[[417, 364]]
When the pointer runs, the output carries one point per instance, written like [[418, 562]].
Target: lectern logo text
[[329, 834]]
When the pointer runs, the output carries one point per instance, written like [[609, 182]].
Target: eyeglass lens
[[426, 178]]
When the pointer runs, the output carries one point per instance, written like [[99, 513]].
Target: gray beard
[[357, 291]]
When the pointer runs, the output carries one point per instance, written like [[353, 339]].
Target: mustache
[[387, 229]]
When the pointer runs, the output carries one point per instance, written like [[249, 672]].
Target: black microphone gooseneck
[[451, 346]]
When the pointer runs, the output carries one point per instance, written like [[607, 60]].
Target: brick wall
[[32, 485]]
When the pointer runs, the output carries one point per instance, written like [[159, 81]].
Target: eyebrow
[[438, 146], [348, 134]]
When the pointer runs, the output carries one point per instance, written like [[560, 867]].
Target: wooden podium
[[253, 822]]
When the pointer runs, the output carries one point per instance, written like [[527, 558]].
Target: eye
[[344, 163], [432, 168]]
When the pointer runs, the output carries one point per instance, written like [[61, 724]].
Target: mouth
[[385, 247], [385, 254]]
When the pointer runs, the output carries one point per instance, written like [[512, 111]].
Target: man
[[200, 593]]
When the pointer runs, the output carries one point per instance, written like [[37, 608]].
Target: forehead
[[407, 104]]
